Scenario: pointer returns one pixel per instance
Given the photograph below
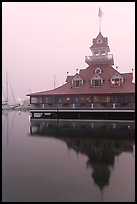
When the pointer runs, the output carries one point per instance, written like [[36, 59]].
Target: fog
[[42, 41]]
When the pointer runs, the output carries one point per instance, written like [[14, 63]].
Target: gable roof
[[103, 39], [86, 74]]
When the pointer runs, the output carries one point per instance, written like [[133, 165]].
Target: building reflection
[[100, 141]]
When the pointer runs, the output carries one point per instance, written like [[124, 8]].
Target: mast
[[4, 94], [54, 81], [7, 87], [12, 92]]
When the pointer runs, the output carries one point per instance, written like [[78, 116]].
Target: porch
[[83, 106]]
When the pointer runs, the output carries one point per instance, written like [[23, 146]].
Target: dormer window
[[117, 80], [77, 81], [96, 81]]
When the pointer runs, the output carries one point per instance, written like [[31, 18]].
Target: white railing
[[99, 57], [85, 106]]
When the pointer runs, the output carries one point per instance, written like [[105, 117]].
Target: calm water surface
[[67, 161]]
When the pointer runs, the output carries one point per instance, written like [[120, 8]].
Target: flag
[[100, 13]]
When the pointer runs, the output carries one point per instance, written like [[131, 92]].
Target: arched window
[[98, 70], [99, 41]]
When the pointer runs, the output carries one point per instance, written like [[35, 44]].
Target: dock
[[83, 114]]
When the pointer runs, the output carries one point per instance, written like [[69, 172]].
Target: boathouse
[[98, 91]]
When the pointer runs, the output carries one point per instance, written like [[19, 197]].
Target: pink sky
[[43, 39]]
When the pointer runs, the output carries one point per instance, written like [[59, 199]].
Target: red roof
[[103, 44], [107, 72]]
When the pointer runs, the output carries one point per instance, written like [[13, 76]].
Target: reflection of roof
[[107, 72]]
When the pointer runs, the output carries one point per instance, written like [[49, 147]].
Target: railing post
[[73, 105]]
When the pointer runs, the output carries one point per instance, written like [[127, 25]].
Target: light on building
[[129, 127], [113, 82]]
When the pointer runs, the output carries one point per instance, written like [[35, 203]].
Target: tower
[[100, 52], [100, 49]]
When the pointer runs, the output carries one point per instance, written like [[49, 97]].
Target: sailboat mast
[[4, 93], [7, 86], [12, 92], [54, 81]]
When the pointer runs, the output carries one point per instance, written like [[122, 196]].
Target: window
[[96, 53], [116, 81], [96, 81], [67, 99], [103, 53], [36, 99], [96, 99], [77, 81], [99, 41], [98, 70], [105, 99]]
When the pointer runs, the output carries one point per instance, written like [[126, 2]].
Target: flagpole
[[100, 15], [100, 25]]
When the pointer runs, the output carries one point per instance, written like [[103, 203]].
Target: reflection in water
[[6, 124], [100, 141]]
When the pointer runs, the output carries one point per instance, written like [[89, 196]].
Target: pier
[[105, 114]]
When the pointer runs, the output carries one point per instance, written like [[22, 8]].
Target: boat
[[22, 107], [5, 103]]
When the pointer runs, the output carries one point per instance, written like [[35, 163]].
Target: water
[[67, 161]]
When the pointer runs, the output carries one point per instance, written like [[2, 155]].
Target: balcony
[[84, 106], [97, 59]]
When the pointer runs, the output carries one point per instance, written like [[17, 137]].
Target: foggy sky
[[42, 41]]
